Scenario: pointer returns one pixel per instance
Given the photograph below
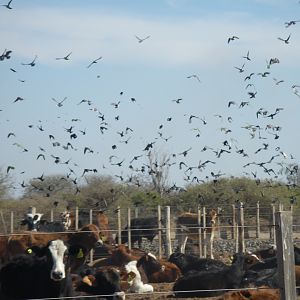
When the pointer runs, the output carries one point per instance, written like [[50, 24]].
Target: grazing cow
[[134, 279], [102, 223], [188, 262], [42, 275], [158, 271], [199, 284], [104, 282], [140, 227], [187, 228]]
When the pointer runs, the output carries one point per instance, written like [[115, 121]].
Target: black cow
[[140, 227], [43, 274], [46, 226], [198, 283], [32, 221], [188, 262], [105, 282]]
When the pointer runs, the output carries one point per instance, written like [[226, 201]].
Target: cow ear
[[77, 251], [36, 250]]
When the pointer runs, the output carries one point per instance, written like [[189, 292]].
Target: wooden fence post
[[273, 230], [51, 215], [285, 255], [159, 231], [204, 232], [11, 222], [91, 251], [168, 232], [199, 232], [119, 225], [257, 221], [233, 227], [3, 222], [241, 225], [76, 218], [136, 212], [129, 227]]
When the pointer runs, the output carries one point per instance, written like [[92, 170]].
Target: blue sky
[[186, 37]]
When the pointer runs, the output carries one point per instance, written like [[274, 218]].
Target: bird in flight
[[94, 62], [59, 103], [194, 76], [8, 5], [32, 64], [140, 40], [241, 70], [177, 100], [247, 56], [289, 23], [232, 39], [285, 40], [67, 57]]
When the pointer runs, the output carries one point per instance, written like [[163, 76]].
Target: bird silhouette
[[140, 40], [232, 39], [94, 62], [247, 56], [32, 63], [194, 76], [9, 168], [8, 5], [289, 23], [59, 103], [67, 57], [286, 41]]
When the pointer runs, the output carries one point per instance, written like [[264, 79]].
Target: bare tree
[[5, 184], [158, 169]]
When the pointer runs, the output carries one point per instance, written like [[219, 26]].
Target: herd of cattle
[[50, 261]]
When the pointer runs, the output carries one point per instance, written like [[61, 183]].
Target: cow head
[[32, 221], [56, 251]]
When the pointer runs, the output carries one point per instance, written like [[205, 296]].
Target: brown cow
[[82, 242], [187, 228], [263, 293], [102, 223]]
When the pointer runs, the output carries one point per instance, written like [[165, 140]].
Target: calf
[[158, 271], [134, 279], [104, 282], [186, 263], [42, 275], [201, 284]]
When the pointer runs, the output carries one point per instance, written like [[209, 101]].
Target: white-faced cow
[[43, 273], [187, 228]]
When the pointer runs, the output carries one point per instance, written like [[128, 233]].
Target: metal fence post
[[11, 222], [233, 227], [159, 231], [257, 221], [204, 231], [241, 224], [92, 251], [119, 225], [129, 227], [168, 232], [199, 232], [76, 218]]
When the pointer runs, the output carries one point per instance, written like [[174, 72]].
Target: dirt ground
[[161, 291]]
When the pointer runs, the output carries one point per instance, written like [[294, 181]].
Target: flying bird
[[177, 100], [19, 99], [285, 40], [194, 76], [232, 39], [247, 56], [59, 103], [140, 40], [94, 62], [32, 64], [67, 57], [9, 168], [289, 23], [8, 5]]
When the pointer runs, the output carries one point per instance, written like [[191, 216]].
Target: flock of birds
[[131, 169]]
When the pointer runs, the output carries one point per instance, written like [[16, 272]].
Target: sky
[[183, 53]]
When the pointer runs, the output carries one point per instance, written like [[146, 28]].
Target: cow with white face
[[32, 220], [41, 273]]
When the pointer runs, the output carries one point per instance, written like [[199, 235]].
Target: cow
[[140, 228], [134, 279], [32, 220], [85, 239], [188, 262], [261, 293], [187, 227], [102, 223], [42, 275], [158, 271], [203, 283], [105, 282]]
